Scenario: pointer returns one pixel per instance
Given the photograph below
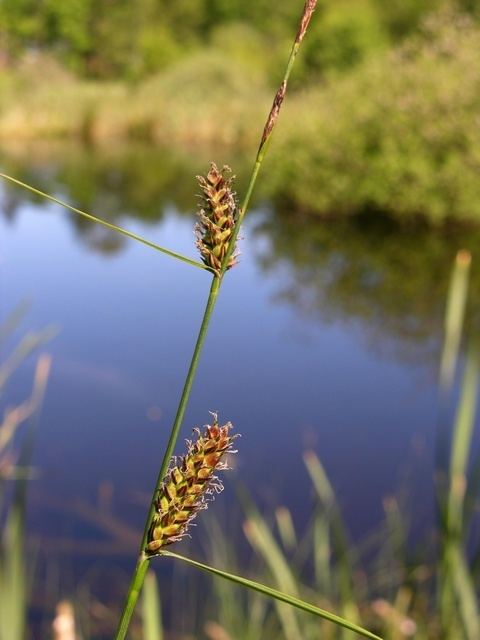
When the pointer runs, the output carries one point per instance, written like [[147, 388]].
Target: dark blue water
[[309, 347], [127, 327]]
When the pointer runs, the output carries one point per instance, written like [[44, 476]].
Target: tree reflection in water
[[117, 183], [389, 280]]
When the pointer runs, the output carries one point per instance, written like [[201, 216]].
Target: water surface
[[326, 336]]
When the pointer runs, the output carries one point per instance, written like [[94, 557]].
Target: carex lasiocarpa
[[189, 485], [217, 217]]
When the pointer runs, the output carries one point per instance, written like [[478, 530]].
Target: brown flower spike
[[217, 217], [189, 484]]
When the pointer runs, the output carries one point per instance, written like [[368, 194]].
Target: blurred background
[[329, 336]]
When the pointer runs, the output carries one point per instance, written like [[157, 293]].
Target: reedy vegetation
[[398, 597], [426, 591], [15, 472]]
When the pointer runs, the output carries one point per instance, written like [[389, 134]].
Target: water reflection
[[390, 280], [117, 183], [388, 285], [368, 270], [120, 360]]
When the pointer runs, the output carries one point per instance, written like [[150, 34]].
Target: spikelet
[[217, 215], [189, 484]]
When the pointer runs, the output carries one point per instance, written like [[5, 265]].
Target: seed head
[[308, 10], [217, 217], [189, 484]]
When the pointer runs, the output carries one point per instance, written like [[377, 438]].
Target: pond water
[[326, 336]]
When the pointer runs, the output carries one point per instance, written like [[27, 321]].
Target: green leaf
[[277, 595], [108, 225], [462, 442], [151, 611], [454, 317]]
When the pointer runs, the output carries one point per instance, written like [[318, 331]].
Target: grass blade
[[13, 567], [286, 528], [108, 225], [261, 539], [339, 538], [462, 441], [151, 610], [457, 592], [230, 613], [263, 542], [466, 596], [454, 317], [322, 552], [277, 595]]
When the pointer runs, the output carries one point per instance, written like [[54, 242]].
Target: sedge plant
[[184, 484]]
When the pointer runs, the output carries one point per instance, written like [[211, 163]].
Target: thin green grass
[[151, 609], [262, 540], [454, 318], [106, 224], [276, 595], [16, 566], [458, 596]]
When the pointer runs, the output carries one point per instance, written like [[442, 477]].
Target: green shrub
[[344, 36], [402, 17], [207, 97], [400, 134]]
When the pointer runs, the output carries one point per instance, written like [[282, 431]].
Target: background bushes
[[399, 135]]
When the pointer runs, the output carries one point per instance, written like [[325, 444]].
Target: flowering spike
[[188, 485], [217, 214]]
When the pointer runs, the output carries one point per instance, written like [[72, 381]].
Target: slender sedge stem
[[108, 225], [212, 299], [262, 150], [143, 560]]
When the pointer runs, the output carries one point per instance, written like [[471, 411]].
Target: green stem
[[167, 456], [276, 594], [132, 596], [143, 560], [262, 150], [108, 225]]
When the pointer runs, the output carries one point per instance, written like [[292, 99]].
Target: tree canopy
[[132, 38]]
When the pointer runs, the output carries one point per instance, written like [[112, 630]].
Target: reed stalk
[[217, 279]]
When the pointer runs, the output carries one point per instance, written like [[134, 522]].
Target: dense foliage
[[101, 38], [389, 105], [400, 135]]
